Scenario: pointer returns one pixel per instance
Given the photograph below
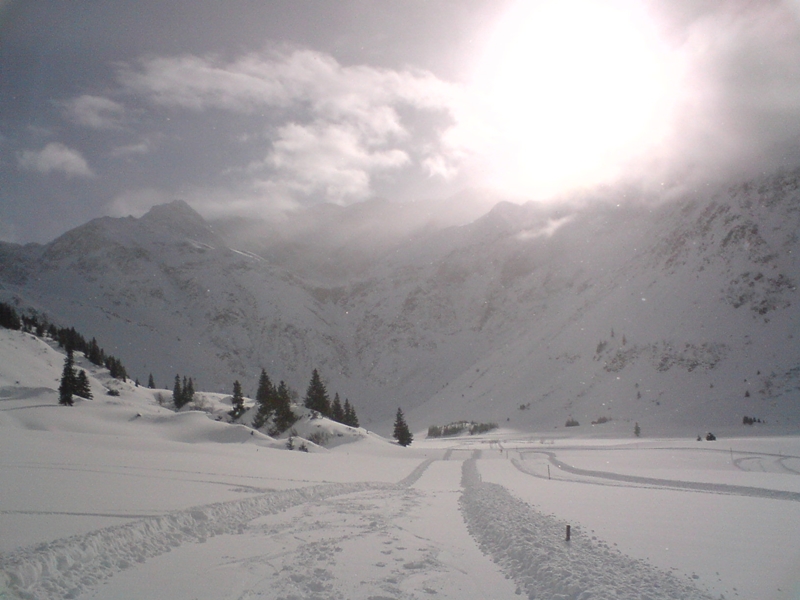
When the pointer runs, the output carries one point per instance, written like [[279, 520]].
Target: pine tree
[[94, 354], [82, 387], [177, 392], [265, 400], [284, 416], [637, 431], [150, 383], [237, 402], [67, 386], [337, 413], [350, 417], [9, 317], [188, 391], [317, 396], [401, 432]]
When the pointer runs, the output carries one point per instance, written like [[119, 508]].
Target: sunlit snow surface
[[120, 498]]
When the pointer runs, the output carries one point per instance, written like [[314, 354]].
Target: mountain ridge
[[568, 311]]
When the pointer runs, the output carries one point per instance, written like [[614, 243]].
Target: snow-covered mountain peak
[[656, 314], [180, 219]]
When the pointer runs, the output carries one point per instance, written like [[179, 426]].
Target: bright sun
[[570, 89]]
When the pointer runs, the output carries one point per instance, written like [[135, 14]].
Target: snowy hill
[[679, 315]]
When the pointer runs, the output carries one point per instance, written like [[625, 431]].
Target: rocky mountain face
[[674, 314]]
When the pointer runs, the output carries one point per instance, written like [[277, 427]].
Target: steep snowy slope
[[674, 314]]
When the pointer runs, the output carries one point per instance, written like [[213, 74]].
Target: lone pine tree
[[265, 400], [401, 432], [237, 402], [317, 395], [68, 380]]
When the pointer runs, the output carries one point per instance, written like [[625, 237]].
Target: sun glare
[[570, 89]]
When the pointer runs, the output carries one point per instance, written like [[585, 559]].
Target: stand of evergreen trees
[[317, 399], [73, 382], [183, 393], [273, 403], [67, 338]]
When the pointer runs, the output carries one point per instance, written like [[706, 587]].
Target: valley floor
[[111, 516]]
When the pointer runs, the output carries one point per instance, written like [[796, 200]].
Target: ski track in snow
[[312, 528], [531, 548], [66, 568], [694, 486]]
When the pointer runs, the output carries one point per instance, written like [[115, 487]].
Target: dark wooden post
[[568, 532]]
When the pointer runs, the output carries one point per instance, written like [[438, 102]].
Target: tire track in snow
[[65, 568], [695, 486], [530, 547]]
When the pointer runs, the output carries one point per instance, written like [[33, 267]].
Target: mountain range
[[674, 314]]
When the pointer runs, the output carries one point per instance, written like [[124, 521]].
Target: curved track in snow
[[713, 488]]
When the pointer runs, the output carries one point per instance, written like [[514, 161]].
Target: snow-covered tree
[[401, 431]]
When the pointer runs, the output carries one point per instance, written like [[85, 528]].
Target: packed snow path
[[341, 541], [531, 547]]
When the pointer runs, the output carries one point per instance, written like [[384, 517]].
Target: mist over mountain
[[675, 314]]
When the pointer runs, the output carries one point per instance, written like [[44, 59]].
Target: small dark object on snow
[[710, 437]]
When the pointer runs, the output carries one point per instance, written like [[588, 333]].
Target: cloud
[[547, 230], [255, 81], [95, 112], [335, 127], [332, 159], [56, 157], [324, 131], [131, 149]]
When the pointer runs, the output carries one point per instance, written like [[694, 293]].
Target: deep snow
[[119, 497]]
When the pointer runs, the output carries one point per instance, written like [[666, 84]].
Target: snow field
[[64, 568], [372, 544], [531, 547], [121, 498], [737, 545]]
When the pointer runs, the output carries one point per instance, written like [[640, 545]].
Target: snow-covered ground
[[118, 497]]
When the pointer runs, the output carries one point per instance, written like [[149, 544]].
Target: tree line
[[273, 402], [66, 337]]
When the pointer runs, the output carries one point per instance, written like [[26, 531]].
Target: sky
[[255, 108]]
